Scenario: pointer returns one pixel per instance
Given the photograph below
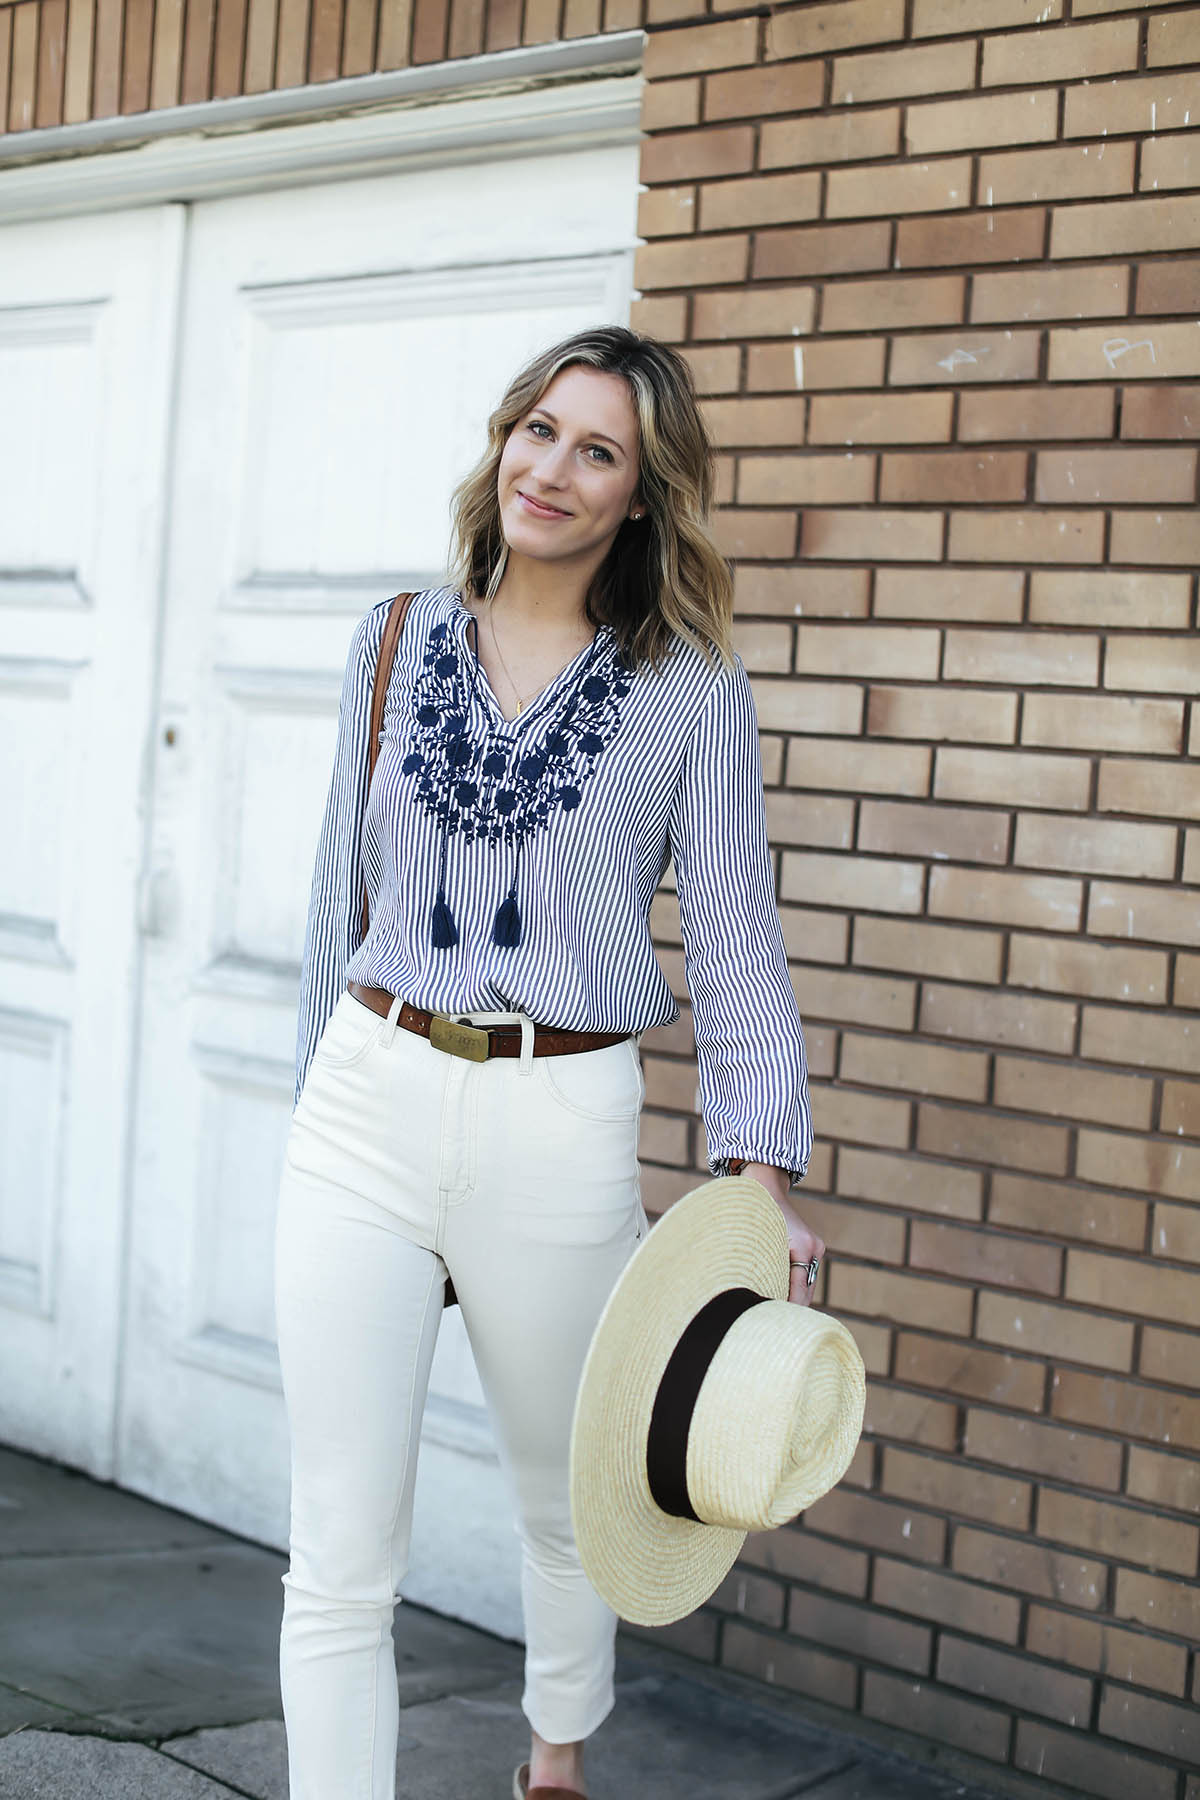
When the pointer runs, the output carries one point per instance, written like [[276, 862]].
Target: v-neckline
[[485, 685]]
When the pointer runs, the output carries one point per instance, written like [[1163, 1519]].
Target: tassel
[[443, 931], [506, 928]]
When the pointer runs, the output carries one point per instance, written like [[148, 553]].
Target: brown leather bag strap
[[394, 625]]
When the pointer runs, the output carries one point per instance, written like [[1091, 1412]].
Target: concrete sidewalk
[[139, 1661]]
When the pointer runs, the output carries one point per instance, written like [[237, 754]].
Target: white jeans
[[519, 1176]]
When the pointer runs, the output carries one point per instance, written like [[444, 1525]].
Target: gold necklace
[[499, 652]]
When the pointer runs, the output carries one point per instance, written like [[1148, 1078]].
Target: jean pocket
[[603, 1086], [350, 1031]]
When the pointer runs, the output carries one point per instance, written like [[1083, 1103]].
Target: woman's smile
[[541, 509]]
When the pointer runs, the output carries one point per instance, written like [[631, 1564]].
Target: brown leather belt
[[478, 1042]]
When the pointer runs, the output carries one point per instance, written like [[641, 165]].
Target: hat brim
[[650, 1567]]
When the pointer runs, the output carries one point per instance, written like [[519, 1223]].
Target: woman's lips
[[539, 510]]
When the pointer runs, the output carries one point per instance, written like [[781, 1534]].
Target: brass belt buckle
[[448, 1034]]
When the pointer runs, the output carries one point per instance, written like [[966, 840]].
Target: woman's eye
[[539, 425], [602, 452]]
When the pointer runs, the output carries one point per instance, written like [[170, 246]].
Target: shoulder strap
[[394, 625]]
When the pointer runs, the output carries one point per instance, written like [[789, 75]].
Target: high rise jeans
[[519, 1177]]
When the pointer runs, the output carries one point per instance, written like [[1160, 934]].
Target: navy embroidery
[[504, 785]]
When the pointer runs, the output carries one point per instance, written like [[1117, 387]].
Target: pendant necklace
[[521, 701]]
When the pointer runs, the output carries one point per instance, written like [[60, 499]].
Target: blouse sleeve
[[749, 1041], [334, 928]]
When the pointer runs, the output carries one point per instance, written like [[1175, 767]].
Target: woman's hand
[[803, 1244]]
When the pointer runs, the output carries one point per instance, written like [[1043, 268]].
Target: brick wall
[[64, 61], [936, 266]]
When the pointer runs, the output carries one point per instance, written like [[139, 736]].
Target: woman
[[560, 725]]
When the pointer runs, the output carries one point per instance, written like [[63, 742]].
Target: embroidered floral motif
[[500, 786]]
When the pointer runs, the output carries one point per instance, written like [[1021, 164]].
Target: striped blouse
[[574, 811]]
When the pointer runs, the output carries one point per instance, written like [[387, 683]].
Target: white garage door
[[338, 349]]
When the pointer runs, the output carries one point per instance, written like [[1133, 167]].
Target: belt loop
[[392, 1021], [525, 1066]]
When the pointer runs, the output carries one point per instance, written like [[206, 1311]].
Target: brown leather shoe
[[523, 1791]]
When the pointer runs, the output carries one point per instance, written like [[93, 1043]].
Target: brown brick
[[867, 650], [1147, 664], [1069, 1456], [1080, 476], [1086, 1762], [880, 418], [1169, 287], [739, 534], [860, 1630], [1067, 1212], [1149, 104], [1127, 227], [683, 155], [1028, 1084], [692, 263], [989, 236], [950, 951], [981, 121], [816, 364], [892, 303], [1161, 789], [770, 1658], [1068, 172], [916, 1183], [1149, 1040], [1116, 597], [723, 45], [663, 1139], [1033, 413], [877, 1524], [754, 422], [992, 596], [888, 189], [715, 368], [1007, 898], [892, 74], [917, 1068], [1141, 1719], [900, 1299], [874, 884], [846, 137], [933, 18], [1050, 294], [812, 936], [1162, 1604], [1033, 1687], [1030, 1568], [1187, 981], [1064, 54], [971, 1136], [810, 819], [1056, 1331], [965, 356], [820, 250], [854, 999], [1169, 163], [952, 1487], [985, 1257], [775, 312], [1154, 1293], [670, 104], [1164, 915], [955, 476], [1127, 1534], [1028, 537], [915, 1706], [802, 1556], [1076, 722], [852, 767], [760, 200], [910, 1418], [860, 1232], [998, 1017], [1010, 776], [809, 593], [805, 480], [854, 1117], [1091, 1644], [1092, 846], [666, 212], [966, 834], [946, 1600], [1161, 412], [751, 93], [752, 1597], [662, 316], [1072, 966], [1164, 1480], [815, 30], [969, 1370], [1156, 537], [870, 534], [1171, 38]]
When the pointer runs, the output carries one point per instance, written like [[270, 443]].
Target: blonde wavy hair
[[664, 577]]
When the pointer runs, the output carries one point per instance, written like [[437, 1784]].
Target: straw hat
[[709, 1405]]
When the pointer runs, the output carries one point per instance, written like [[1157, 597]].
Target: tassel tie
[[507, 930]]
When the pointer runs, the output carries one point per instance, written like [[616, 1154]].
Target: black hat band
[[678, 1391]]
